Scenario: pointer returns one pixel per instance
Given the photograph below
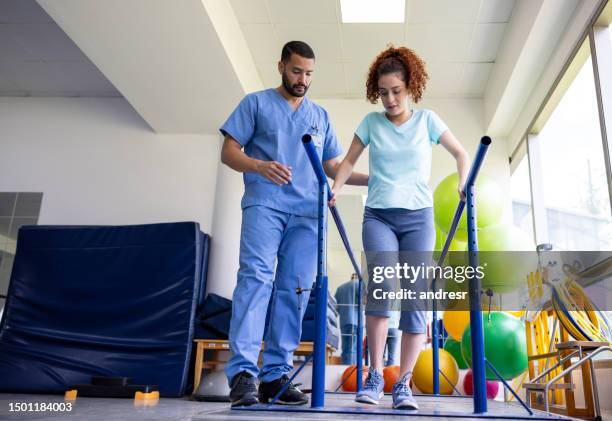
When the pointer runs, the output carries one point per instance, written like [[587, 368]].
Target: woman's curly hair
[[402, 60]]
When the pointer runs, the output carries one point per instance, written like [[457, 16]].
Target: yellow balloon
[[455, 322], [422, 375]]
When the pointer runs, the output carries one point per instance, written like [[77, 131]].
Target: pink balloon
[[468, 385]]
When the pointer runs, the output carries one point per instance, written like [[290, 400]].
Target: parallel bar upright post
[[321, 285], [318, 369], [477, 334], [435, 345], [359, 353], [476, 324], [474, 288]]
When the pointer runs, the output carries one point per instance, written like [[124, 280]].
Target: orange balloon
[[349, 378], [391, 376]]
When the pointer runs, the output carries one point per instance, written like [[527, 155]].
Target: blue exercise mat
[[102, 301]]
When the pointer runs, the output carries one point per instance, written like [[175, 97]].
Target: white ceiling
[[37, 58], [459, 41], [162, 56]]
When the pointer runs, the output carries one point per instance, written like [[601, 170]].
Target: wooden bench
[[216, 346]]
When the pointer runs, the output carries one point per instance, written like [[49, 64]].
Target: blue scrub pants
[[386, 232], [270, 237]]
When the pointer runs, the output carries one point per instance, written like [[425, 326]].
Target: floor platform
[[445, 407], [183, 409]]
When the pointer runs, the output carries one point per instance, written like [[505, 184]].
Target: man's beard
[[291, 89]]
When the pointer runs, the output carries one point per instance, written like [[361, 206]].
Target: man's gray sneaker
[[402, 395], [372, 391], [242, 390], [291, 396]]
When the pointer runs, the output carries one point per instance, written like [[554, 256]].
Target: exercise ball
[[489, 204], [505, 345], [349, 378], [422, 374], [468, 385], [507, 256], [391, 376], [455, 322], [455, 245], [454, 348]]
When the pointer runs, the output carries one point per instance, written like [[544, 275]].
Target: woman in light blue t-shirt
[[398, 215]]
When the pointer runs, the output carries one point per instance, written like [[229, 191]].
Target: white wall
[[97, 162], [227, 221]]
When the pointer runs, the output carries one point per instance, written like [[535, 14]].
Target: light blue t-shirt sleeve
[[240, 125], [435, 127], [331, 148], [363, 130]]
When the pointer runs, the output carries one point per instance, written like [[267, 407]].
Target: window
[[574, 180], [16, 210], [521, 197]]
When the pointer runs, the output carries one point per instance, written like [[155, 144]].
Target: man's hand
[[274, 171], [234, 157]]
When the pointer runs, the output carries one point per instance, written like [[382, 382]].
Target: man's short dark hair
[[296, 47]]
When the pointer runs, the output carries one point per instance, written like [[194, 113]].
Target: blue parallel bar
[[359, 354], [451, 231], [477, 337], [318, 387], [318, 366], [485, 141], [435, 345], [480, 403], [476, 326]]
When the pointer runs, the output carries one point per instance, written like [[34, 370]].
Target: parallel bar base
[[431, 407]]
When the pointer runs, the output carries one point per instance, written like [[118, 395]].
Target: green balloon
[[454, 348], [505, 345], [489, 204]]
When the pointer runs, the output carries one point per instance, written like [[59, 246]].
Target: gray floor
[[92, 409]]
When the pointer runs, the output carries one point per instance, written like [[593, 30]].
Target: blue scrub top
[[269, 130]]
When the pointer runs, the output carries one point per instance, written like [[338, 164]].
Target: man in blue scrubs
[[279, 226]]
